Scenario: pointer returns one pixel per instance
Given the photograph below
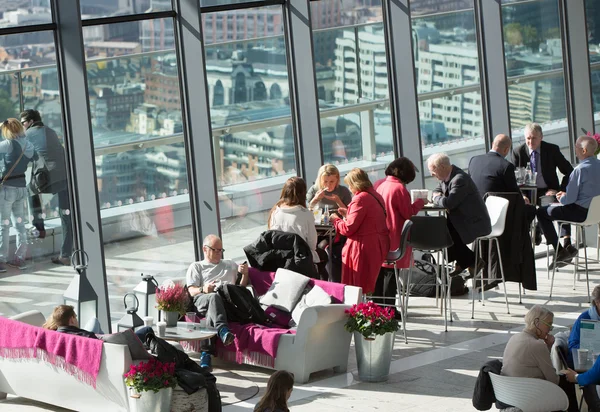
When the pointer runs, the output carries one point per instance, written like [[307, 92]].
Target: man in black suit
[[544, 158], [468, 218]]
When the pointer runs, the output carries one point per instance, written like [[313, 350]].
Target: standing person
[[17, 152], [328, 191], [399, 208], [366, 229], [48, 146], [468, 218], [544, 158], [575, 201], [279, 390], [291, 215]]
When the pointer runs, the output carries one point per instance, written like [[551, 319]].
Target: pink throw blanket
[[77, 355], [261, 282]]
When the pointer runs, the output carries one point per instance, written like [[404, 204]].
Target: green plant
[[151, 376], [371, 319], [172, 298]]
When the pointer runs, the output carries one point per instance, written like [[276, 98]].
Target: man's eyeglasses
[[550, 327], [214, 249]]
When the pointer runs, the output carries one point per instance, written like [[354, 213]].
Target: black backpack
[[241, 306]]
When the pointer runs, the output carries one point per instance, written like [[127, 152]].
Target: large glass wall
[[91, 9], [448, 81], [534, 68], [29, 80], [352, 82], [249, 98], [593, 29], [135, 106]]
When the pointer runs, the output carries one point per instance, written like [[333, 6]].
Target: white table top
[[182, 332]]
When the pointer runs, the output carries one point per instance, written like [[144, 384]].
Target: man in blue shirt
[[583, 185]]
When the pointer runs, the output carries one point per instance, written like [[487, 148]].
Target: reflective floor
[[435, 371]]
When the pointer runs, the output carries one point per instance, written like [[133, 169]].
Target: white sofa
[[41, 381]]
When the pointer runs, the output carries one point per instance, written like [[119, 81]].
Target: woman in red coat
[[399, 208], [368, 236]]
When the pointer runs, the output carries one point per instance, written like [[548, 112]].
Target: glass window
[[447, 69], [351, 72], [141, 168], [39, 226], [25, 13], [533, 48], [593, 26], [251, 118], [91, 9]]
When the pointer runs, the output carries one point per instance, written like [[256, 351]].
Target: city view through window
[[137, 122]]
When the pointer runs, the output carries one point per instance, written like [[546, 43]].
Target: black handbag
[[40, 177]]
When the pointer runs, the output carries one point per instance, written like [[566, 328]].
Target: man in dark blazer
[[544, 158], [467, 215]]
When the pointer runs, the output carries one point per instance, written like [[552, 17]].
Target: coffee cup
[[148, 320], [162, 328]]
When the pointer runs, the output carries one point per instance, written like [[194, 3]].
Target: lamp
[[80, 294], [131, 320], [145, 291]]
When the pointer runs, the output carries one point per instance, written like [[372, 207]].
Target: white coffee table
[[182, 332]]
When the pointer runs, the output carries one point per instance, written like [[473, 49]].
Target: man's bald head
[[502, 144], [585, 147]]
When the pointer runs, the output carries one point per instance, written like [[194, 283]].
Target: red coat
[[368, 240], [399, 210]]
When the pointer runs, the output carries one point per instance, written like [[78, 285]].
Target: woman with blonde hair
[[327, 190], [17, 152], [366, 228]]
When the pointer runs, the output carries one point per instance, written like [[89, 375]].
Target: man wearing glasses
[[202, 278], [575, 201]]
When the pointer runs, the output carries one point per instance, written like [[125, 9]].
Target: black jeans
[[548, 214], [460, 252], [386, 286], [64, 207]]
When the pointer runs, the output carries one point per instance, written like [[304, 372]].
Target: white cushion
[[316, 296], [285, 291]]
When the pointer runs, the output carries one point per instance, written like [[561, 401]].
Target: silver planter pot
[[374, 356], [170, 318], [149, 401]]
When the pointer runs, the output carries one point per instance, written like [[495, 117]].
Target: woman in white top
[[291, 215]]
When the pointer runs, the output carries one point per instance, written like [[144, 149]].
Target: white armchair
[[529, 394]]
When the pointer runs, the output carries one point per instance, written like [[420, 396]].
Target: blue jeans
[[12, 207]]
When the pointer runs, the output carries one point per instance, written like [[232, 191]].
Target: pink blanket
[[254, 338], [76, 355], [261, 282]]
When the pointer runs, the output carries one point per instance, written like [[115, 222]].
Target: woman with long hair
[[327, 190], [366, 228], [17, 152], [279, 389], [64, 319], [291, 215]]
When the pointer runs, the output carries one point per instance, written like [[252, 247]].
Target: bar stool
[[402, 285], [430, 234], [497, 208], [592, 219]]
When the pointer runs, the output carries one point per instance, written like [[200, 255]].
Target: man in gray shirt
[[203, 278]]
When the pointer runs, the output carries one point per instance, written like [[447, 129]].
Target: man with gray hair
[[468, 218], [584, 185], [202, 279], [543, 158]]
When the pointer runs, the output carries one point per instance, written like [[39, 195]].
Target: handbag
[[7, 176], [40, 176]]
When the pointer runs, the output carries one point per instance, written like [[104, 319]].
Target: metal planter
[[170, 318], [374, 356], [150, 401]]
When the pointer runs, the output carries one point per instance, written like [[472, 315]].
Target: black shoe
[[538, 236], [475, 270], [564, 257]]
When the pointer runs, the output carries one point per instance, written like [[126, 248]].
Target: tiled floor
[[435, 371]]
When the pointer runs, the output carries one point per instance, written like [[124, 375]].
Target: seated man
[[574, 203], [202, 278], [467, 215]]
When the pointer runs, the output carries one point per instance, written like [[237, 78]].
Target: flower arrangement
[[172, 298], [597, 139], [371, 319], [151, 376]]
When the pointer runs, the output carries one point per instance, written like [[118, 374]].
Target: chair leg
[[554, 266], [520, 302], [445, 291], [587, 277], [502, 273], [576, 265], [474, 282], [402, 294], [547, 260]]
